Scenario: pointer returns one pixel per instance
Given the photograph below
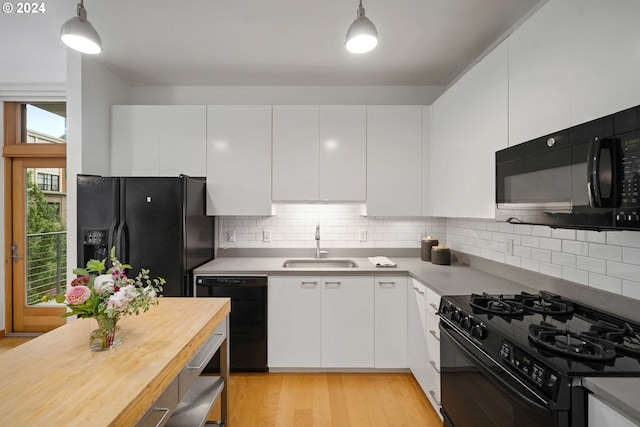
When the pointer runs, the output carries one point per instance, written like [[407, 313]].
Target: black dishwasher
[[248, 319]]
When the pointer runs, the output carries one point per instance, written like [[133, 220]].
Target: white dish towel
[[382, 261]]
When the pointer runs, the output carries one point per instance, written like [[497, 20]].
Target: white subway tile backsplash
[[631, 256], [575, 247], [623, 271], [605, 260], [608, 252], [605, 283], [575, 275], [551, 269], [631, 289], [566, 260], [551, 244], [591, 264], [562, 233]]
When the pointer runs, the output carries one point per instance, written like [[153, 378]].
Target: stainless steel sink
[[319, 263]]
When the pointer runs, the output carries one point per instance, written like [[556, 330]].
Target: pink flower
[[78, 295]]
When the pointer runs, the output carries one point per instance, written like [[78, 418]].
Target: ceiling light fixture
[[362, 35], [79, 34]]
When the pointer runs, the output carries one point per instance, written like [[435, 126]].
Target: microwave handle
[[593, 169]]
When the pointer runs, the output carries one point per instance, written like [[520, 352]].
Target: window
[[48, 182]]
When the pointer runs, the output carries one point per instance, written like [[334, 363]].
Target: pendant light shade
[[79, 34], [362, 35]]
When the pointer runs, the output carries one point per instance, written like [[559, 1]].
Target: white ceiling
[[295, 42]]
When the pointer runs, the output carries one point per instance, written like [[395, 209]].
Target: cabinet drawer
[[198, 362], [433, 302], [162, 408]]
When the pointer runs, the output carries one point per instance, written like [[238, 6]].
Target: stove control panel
[[543, 377], [467, 322]]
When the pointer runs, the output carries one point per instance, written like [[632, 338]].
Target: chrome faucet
[[318, 240]]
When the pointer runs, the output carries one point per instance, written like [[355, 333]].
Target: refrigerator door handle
[[112, 239], [122, 242]]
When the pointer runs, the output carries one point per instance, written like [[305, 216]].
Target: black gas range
[[510, 360]]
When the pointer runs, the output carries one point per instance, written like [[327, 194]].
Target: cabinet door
[[295, 152], [469, 124], [426, 150], [417, 341], [390, 321], [134, 140], [347, 322], [604, 56], [601, 414], [239, 160], [433, 348], [158, 140], [540, 73], [394, 160], [294, 322], [182, 140], [343, 153]]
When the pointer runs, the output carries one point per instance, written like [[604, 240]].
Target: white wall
[[283, 95], [92, 89], [32, 54]]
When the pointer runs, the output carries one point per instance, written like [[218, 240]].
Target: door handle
[[14, 252]]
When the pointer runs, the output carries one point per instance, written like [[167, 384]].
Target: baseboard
[[340, 370]]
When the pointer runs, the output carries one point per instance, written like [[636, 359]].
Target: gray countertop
[[455, 279]]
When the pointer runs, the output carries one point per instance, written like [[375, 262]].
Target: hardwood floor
[[319, 399], [327, 399]]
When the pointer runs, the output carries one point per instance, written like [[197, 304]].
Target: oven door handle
[[500, 382]]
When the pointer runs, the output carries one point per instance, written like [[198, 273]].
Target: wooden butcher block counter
[[55, 380]]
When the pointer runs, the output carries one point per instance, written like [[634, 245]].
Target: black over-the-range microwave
[[587, 176]]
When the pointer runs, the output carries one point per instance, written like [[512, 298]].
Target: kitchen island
[[55, 380]]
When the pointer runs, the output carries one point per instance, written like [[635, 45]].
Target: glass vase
[[107, 335]]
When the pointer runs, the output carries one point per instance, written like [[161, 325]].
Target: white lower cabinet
[[321, 321], [433, 349], [424, 340], [416, 338], [603, 415], [390, 321], [347, 322], [294, 322]]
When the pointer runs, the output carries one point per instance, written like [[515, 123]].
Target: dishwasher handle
[[231, 281]]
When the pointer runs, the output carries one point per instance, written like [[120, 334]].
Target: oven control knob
[[479, 331], [466, 323], [455, 315]]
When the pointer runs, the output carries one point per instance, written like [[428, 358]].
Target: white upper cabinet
[[238, 160], [540, 73], [158, 140], [343, 153], [394, 160], [606, 57], [469, 124], [295, 152], [319, 153]]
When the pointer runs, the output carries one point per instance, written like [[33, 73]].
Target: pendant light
[[362, 35], [79, 34]]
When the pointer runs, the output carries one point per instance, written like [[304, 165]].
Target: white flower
[[103, 284], [121, 299]]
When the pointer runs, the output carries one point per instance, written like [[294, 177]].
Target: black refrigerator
[[158, 223]]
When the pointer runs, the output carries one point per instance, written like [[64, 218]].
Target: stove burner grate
[[499, 305], [569, 344], [625, 338]]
